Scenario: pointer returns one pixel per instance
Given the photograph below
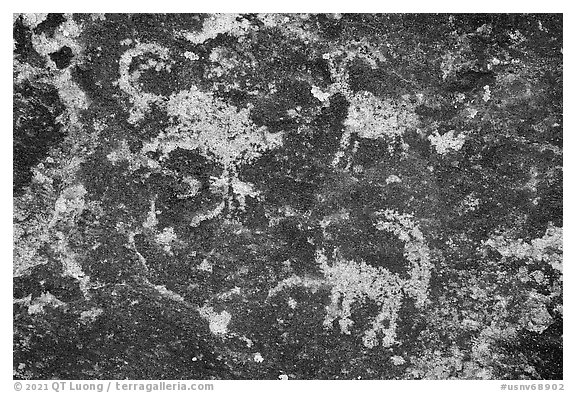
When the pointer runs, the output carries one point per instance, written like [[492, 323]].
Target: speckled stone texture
[[266, 196]]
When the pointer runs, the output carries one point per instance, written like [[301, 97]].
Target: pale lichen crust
[[287, 196]]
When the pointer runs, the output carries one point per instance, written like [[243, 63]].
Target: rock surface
[[265, 196]]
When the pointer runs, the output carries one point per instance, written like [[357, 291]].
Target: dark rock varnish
[[299, 196]]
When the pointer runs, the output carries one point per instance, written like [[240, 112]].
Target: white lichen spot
[[227, 295], [31, 20], [397, 360], [533, 181], [451, 63], [194, 186], [319, 94], [372, 118], [472, 112], [470, 203], [39, 176], [249, 343], [168, 293], [71, 94], [292, 303], [37, 305], [91, 315], [70, 28], [485, 29], [340, 153], [219, 24], [120, 154], [548, 248], [537, 318], [560, 309], [337, 217], [538, 276], [243, 189], [517, 37], [24, 72], [205, 266], [258, 357], [523, 274], [486, 94], [69, 259], [151, 220], [225, 59], [217, 322], [69, 205], [393, 179], [283, 377], [293, 113], [312, 284], [191, 56], [166, 238], [209, 214], [447, 142], [64, 35], [71, 199]]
